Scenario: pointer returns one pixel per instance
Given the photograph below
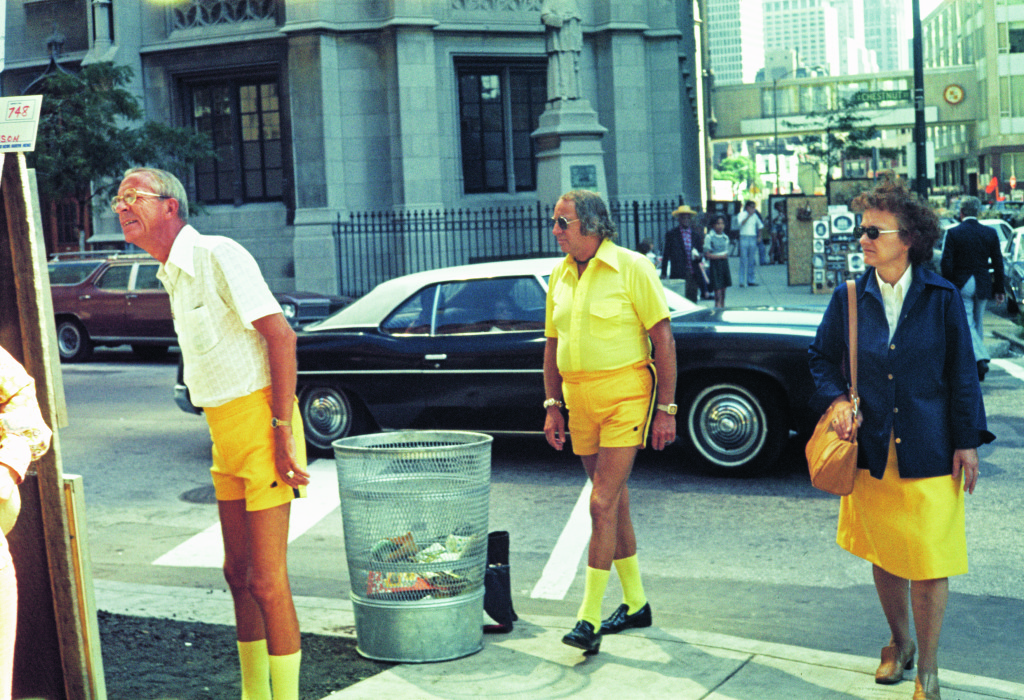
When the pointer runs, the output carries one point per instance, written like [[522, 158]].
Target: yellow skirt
[[912, 528]]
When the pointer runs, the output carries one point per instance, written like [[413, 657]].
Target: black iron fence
[[375, 246]]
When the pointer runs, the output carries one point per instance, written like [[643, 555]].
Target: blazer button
[[898, 441], [896, 410], [890, 377], [893, 346]]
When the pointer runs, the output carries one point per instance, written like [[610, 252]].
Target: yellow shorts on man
[[243, 452]]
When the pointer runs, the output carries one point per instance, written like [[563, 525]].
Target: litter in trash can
[[414, 508]]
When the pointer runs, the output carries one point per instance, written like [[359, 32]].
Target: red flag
[[993, 185]]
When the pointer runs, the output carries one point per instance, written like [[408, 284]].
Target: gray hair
[[592, 213], [165, 184], [970, 206]]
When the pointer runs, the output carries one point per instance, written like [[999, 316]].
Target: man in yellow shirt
[[605, 311]]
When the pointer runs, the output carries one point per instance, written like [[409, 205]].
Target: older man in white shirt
[[239, 355]]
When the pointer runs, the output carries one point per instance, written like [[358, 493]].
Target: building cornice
[[320, 26]]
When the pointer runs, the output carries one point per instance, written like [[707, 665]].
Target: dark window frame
[[233, 179], [512, 168]]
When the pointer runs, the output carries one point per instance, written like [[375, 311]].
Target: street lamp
[[775, 117], [775, 113]]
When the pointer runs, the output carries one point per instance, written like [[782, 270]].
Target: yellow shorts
[[243, 452], [609, 409]]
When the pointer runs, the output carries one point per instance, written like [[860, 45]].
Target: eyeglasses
[[563, 223], [131, 195], [873, 232]]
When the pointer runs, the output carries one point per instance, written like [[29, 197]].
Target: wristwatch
[[278, 423], [669, 408], [548, 403]]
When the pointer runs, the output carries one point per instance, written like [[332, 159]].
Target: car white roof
[[369, 309]]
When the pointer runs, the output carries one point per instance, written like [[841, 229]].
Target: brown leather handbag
[[831, 460]]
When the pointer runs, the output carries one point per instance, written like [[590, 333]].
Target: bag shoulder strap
[[851, 292]]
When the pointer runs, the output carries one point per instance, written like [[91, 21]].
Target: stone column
[[317, 148]]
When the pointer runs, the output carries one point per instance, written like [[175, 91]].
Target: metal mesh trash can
[[414, 506]]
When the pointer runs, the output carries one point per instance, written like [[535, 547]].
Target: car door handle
[[130, 296], [84, 297], [435, 357]]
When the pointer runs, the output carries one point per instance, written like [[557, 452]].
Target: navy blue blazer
[[923, 386], [970, 250]]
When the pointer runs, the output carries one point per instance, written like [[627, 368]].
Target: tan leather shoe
[[926, 687], [894, 662]]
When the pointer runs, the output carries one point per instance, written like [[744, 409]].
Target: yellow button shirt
[[601, 320]]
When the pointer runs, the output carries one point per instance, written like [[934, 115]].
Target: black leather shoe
[[620, 620], [584, 637], [982, 369]]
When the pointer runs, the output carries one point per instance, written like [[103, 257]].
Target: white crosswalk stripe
[[206, 549]]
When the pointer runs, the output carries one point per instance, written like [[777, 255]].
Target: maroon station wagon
[[110, 301], [117, 300]]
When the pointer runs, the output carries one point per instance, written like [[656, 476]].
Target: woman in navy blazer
[[921, 420]]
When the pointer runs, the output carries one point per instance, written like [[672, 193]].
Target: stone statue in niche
[[564, 44]]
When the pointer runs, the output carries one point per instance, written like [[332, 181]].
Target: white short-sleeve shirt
[[217, 291]]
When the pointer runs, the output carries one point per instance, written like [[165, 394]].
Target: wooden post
[[50, 658]]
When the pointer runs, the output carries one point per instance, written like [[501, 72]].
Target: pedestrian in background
[[749, 224], [240, 366], [605, 312], [684, 245], [972, 249], [716, 250], [646, 248], [921, 420], [24, 438]]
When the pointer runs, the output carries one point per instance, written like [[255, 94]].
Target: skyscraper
[[735, 40], [887, 30], [811, 27]]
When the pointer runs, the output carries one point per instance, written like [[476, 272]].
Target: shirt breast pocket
[[201, 331], [605, 318]]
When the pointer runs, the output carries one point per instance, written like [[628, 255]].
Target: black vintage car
[[462, 348]]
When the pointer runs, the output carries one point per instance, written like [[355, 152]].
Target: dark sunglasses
[[872, 232], [563, 223]]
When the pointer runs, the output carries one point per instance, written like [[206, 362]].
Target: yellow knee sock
[[255, 663], [593, 593], [284, 674], [633, 595]]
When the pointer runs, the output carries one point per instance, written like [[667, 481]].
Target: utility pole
[[920, 132]]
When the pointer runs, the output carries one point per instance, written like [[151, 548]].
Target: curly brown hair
[[919, 224]]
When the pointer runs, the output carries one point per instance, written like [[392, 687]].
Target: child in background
[[716, 250]]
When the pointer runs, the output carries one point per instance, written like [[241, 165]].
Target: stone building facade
[[321, 108]]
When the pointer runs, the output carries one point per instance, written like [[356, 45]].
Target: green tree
[[848, 134], [90, 133], [741, 171]]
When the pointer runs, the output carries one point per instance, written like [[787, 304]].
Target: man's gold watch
[[669, 408], [278, 423], [548, 403]]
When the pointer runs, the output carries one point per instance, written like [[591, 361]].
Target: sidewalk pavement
[[532, 663]]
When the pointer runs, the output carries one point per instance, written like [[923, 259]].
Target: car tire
[[73, 341], [328, 414], [150, 352], [733, 428]]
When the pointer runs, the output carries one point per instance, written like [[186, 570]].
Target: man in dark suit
[[684, 245], [970, 251]]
